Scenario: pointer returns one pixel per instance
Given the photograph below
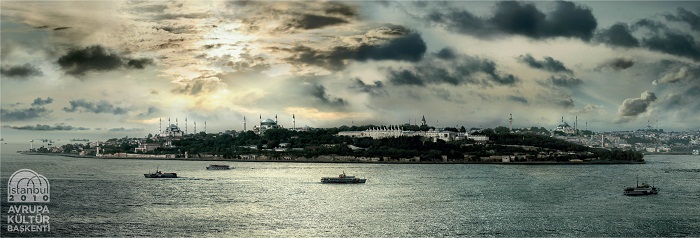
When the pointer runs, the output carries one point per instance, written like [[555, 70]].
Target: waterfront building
[[396, 131]]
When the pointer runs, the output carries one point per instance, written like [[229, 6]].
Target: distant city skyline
[[115, 68]]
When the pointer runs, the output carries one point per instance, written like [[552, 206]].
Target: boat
[[696, 152], [218, 167], [342, 178], [643, 189], [159, 174]]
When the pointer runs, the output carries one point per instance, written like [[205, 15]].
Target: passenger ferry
[[342, 178], [218, 167], [159, 174], [643, 189]]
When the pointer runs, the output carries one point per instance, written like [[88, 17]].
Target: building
[[266, 125], [396, 131], [564, 127]]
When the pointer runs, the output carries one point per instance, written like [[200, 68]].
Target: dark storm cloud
[[563, 81], [61, 28], [310, 21], [39, 127], [96, 58], [462, 70], [401, 44], [318, 91], [82, 105], [518, 99], [617, 64], [41, 102], [20, 71], [24, 114], [632, 107], [372, 89], [548, 64], [683, 15], [138, 63], [617, 35], [446, 54], [510, 17], [675, 44]]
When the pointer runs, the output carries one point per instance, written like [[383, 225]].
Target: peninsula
[[367, 144]]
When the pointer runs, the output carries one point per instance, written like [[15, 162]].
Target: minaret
[[244, 129], [294, 122], [275, 118], [160, 126], [177, 123], [205, 126], [195, 127], [185, 125], [576, 125], [168, 122], [423, 122], [510, 123]]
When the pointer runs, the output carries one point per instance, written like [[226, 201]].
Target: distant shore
[[214, 159]]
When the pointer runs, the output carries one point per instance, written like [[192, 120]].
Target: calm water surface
[[101, 197]]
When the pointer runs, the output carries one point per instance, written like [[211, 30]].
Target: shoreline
[[595, 162]]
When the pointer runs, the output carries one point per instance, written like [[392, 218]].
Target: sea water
[[111, 197]]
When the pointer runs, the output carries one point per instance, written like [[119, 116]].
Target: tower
[[195, 127], [205, 126], [185, 125], [294, 122], [160, 126], [244, 129], [423, 122], [510, 122]]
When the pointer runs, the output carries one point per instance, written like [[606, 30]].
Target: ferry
[[159, 174], [643, 189], [218, 167], [342, 178]]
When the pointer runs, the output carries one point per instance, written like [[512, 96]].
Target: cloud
[[24, 114], [548, 64], [295, 17], [318, 91], [617, 64], [618, 34], [462, 70], [386, 43], [632, 107], [82, 105], [674, 43], [198, 86], [372, 89], [685, 16], [20, 71], [518, 99], [446, 54], [77, 62], [39, 127], [563, 81], [674, 75], [122, 129], [510, 17], [40, 102]]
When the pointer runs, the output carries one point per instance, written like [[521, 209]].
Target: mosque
[[266, 125], [565, 128]]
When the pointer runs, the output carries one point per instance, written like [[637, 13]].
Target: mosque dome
[[268, 122]]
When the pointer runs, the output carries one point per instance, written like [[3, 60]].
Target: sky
[[126, 68]]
